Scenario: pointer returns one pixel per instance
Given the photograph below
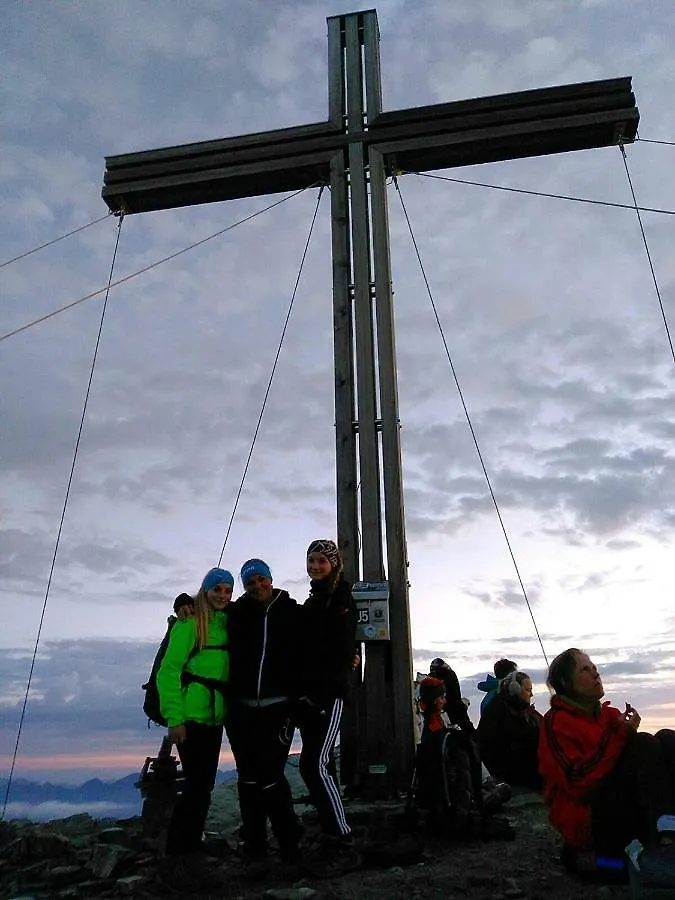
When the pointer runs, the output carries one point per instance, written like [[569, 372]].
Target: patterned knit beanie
[[329, 550]]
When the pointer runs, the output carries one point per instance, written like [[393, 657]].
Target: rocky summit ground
[[82, 858]]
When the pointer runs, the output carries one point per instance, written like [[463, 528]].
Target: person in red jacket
[[604, 783]]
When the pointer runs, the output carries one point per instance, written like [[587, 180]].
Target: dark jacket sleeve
[[328, 640], [347, 625], [494, 739], [508, 740]]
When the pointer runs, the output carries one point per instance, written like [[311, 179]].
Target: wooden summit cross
[[353, 152]]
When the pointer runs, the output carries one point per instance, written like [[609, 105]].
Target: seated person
[[604, 783], [432, 705], [443, 766], [508, 733], [502, 668], [450, 710], [454, 706]]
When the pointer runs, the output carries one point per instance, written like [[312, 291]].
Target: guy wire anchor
[[160, 783]]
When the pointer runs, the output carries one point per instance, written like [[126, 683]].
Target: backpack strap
[[211, 684], [197, 649]]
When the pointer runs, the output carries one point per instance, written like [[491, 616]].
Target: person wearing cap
[[326, 661], [443, 750], [458, 715], [490, 685], [184, 606], [191, 682], [264, 642], [432, 705]]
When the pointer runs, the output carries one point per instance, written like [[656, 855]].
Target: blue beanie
[[217, 576], [254, 567]]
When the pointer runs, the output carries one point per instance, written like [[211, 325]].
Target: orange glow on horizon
[[126, 760]]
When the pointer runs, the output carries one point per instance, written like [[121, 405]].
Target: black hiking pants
[[199, 755], [319, 730], [639, 789], [260, 737]]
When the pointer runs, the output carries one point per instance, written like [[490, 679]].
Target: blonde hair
[[202, 615]]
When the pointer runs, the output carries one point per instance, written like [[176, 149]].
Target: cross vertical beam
[[353, 151], [380, 724]]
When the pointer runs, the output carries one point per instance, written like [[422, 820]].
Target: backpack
[[151, 704]]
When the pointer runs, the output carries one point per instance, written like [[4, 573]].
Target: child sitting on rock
[[443, 765]]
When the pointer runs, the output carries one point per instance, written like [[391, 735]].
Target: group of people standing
[[258, 667]]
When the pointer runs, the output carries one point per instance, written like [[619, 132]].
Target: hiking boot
[[289, 867], [332, 856], [188, 873], [595, 867], [216, 848], [255, 864], [497, 828], [290, 854], [495, 795]]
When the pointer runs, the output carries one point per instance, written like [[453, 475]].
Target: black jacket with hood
[[263, 643], [328, 641]]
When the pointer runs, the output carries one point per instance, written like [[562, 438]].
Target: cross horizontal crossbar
[[445, 135]]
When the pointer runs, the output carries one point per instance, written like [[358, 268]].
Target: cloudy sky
[[548, 307]]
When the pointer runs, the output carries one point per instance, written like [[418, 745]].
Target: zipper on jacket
[[264, 647]]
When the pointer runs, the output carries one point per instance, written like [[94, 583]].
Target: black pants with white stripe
[[319, 730]]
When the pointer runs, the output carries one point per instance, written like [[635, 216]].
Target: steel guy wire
[[271, 378], [63, 516], [155, 264], [469, 422]]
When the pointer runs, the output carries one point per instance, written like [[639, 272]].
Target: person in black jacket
[[327, 656], [263, 639], [184, 606], [508, 733]]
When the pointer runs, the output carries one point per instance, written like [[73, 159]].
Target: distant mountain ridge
[[46, 800], [25, 791]]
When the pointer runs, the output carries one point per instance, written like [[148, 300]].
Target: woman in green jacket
[[191, 682]]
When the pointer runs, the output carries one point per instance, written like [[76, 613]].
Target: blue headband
[[254, 567], [217, 576]]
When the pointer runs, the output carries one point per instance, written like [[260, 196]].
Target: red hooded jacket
[[577, 749]]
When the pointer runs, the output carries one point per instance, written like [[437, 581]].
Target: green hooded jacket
[[194, 702]]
